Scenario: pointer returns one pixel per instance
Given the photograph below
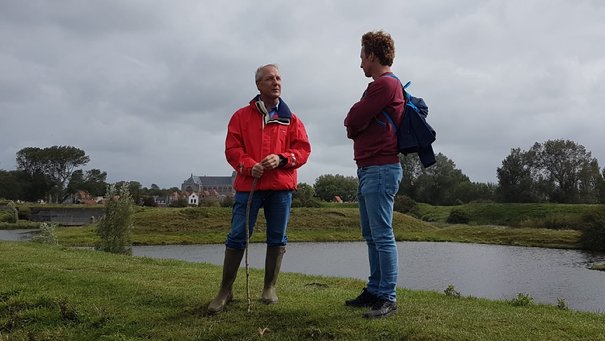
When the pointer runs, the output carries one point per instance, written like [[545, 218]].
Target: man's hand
[[271, 161], [257, 170]]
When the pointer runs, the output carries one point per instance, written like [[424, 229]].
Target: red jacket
[[374, 139], [251, 136]]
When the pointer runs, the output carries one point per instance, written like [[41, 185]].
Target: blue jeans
[[277, 212], [378, 186]]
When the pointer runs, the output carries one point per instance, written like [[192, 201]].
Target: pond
[[16, 235], [488, 271]]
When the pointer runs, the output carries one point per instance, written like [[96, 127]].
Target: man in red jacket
[[265, 143], [378, 170]]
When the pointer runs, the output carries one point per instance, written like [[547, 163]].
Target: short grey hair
[[259, 71]]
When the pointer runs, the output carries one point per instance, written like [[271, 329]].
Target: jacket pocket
[[281, 139]]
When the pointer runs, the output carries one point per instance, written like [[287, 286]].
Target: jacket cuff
[[245, 168]]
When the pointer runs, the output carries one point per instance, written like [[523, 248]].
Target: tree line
[[558, 171], [54, 173]]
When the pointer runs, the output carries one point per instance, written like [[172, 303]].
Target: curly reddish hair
[[381, 45]]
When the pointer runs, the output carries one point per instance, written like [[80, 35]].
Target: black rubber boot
[[275, 254], [233, 257]]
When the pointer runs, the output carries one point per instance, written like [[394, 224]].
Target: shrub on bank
[[5, 217], [8, 212], [115, 227], [47, 235], [406, 205], [210, 202], [227, 201], [593, 234], [458, 216]]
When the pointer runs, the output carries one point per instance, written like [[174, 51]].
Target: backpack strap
[[390, 121], [407, 100]]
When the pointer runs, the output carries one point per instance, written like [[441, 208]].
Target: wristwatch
[[282, 161]]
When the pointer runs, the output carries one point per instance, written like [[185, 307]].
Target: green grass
[[499, 235], [155, 226], [554, 216], [203, 225], [21, 224], [50, 293]]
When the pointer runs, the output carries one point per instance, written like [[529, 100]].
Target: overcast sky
[[146, 88]]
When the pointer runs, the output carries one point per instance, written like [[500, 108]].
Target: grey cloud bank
[[146, 88]]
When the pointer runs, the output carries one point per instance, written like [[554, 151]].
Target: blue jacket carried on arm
[[414, 134]]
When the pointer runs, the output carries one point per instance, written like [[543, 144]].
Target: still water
[[16, 235], [489, 271]]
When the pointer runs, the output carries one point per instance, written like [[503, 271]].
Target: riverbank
[[120, 297], [599, 266], [204, 225]]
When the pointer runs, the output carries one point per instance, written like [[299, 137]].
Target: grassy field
[[52, 293], [534, 215], [202, 225]]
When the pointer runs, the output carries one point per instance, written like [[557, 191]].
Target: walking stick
[[248, 204]]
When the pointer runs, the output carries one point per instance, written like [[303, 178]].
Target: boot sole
[[371, 316], [213, 311]]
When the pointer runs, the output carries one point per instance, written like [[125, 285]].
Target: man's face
[[366, 62], [269, 84]]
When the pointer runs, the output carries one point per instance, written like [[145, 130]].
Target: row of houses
[[193, 190], [198, 188]]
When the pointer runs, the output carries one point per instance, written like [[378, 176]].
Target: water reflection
[[490, 271]]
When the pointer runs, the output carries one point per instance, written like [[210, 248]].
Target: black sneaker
[[365, 299], [382, 308]]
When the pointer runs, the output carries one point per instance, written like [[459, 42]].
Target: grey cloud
[[147, 87]]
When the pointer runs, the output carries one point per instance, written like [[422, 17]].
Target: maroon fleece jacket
[[374, 139]]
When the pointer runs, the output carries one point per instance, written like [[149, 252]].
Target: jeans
[[277, 212], [378, 186]]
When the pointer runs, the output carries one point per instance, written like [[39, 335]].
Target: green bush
[[8, 212], [406, 205], [227, 201], [556, 221], [114, 229], [5, 216], [522, 300], [312, 202], [24, 212], [148, 201], [210, 202], [561, 304], [179, 203], [47, 235], [593, 234], [451, 291], [458, 216]]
